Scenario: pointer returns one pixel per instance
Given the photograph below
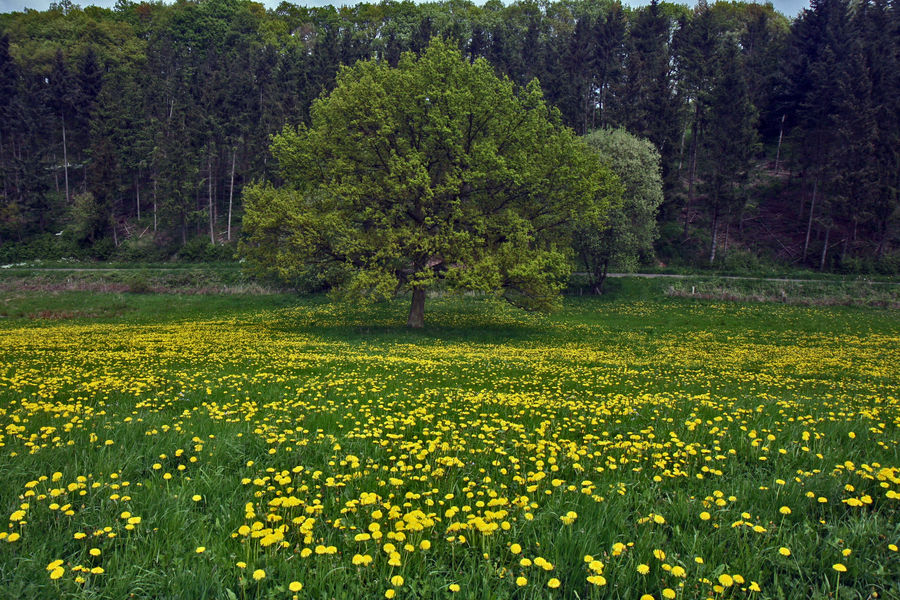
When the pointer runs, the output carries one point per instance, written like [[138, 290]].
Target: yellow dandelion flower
[[839, 567], [259, 574], [295, 586], [553, 583], [521, 581]]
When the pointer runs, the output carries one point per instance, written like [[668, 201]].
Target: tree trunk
[[231, 192], [417, 309], [137, 195], [56, 177], [65, 157], [212, 233], [695, 132], [715, 234], [778, 152], [882, 242], [601, 279], [154, 203], [812, 210], [824, 249]]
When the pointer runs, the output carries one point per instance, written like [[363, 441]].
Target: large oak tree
[[436, 172]]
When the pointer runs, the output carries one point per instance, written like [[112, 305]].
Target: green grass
[[616, 409]]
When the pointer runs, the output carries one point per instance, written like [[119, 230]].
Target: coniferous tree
[[63, 98], [879, 33], [729, 141], [821, 40], [609, 55], [9, 87], [697, 50], [647, 103]]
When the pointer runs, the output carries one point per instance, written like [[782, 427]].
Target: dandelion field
[[286, 448]]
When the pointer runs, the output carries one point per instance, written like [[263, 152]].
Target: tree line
[[131, 132]]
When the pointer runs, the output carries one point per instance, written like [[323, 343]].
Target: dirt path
[[745, 278]]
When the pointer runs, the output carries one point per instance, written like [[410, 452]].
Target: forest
[[130, 133]]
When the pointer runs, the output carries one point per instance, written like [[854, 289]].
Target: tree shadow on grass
[[447, 319]]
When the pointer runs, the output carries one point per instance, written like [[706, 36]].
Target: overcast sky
[[787, 7]]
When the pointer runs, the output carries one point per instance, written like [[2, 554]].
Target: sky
[[787, 7]]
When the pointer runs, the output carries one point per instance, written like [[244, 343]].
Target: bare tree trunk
[[812, 210], [3, 168], [154, 204], [417, 309], [65, 157], [18, 156], [715, 235], [695, 127], [137, 195], [882, 242], [56, 177], [824, 249], [212, 233], [231, 191], [778, 152]]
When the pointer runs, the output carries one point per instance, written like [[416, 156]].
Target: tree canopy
[[436, 172]]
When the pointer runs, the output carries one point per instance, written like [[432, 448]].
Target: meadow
[[160, 446]]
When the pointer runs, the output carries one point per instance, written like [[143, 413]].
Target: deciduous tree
[[434, 172], [631, 229]]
